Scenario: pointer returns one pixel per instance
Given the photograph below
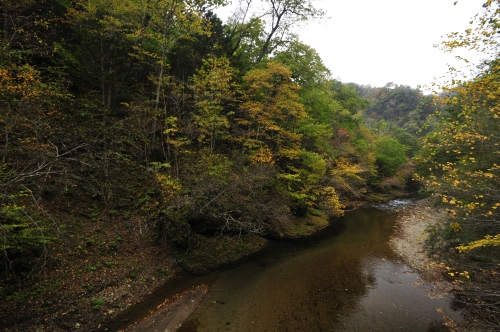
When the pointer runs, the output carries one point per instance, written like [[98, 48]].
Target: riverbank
[[476, 292], [408, 241], [209, 254], [412, 224], [345, 278], [114, 270]]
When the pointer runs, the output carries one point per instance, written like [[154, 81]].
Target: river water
[[345, 278]]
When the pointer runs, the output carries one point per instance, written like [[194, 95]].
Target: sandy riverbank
[[408, 242], [411, 233]]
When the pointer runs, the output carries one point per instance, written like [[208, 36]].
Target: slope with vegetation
[[398, 111], [136, 131], [458, 164]]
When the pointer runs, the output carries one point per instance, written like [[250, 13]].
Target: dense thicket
[[458, 164], [156, 116], [399, 111], [155, 120]]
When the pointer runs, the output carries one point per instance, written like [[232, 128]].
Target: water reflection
[[347, 282]]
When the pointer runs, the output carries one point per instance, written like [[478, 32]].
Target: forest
[[139, 137]]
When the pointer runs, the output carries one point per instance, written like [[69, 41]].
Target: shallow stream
[[345, 278]]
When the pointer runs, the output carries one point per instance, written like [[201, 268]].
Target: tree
[[390, 154], [461, 154], [212, 85], [401, 105], [349, 98], [458, 162], [98, 47], [304, 62], [270, 113], [170, 20], [30, 120], [276, 19]]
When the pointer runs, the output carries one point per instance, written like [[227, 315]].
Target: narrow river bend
[[345, 278]]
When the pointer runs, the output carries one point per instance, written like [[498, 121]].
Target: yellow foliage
[[346, 176], [486, 242], [262, 156], [345, 169], [271, 111], [455, 226], [331, 201], [212, 84], [459, 160]]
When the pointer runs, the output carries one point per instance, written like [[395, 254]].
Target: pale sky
[[376, 42]]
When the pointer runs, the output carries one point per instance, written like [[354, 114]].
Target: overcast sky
[[376, 42]]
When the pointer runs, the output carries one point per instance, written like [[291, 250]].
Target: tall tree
[[459, 164], [270, 112], [304, 62], [212, 85], [278, 18]]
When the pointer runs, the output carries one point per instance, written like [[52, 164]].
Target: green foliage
[[176, 226], [21, 231], [162, 272], [212, 84], [24, 229], [348, 97], [390, 154], [156, 118], [401, 106], [305, 64], [208, 252], [255, 33], [97, 303], [406, 139]]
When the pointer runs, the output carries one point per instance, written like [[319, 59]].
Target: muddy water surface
[[344, 279]]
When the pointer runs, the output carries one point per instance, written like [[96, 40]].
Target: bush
[[390, 155]]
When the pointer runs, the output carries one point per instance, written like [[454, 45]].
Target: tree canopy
[[156, 120]]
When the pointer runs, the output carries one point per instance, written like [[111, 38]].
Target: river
[[344, 278]]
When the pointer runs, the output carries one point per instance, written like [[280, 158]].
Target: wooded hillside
[[135, 127]]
